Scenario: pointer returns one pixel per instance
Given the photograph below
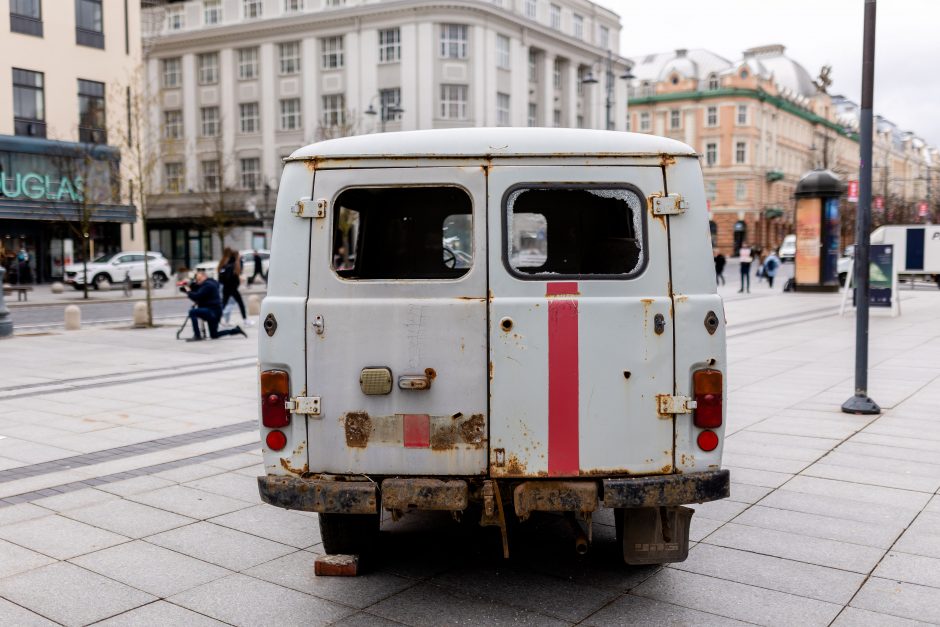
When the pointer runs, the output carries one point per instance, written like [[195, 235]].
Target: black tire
[[158, 279], [101, 278], [842, 278], [349, 534]]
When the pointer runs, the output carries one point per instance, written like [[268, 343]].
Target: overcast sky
[[815, 33]]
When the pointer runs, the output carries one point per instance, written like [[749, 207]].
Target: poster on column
[[808, 240]]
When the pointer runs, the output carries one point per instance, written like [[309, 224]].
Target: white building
[[243, 83]]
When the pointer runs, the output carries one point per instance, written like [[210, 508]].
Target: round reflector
[[276, 440], [707, 440]]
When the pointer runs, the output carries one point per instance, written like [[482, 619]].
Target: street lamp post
[[384, 113], [609, 86]]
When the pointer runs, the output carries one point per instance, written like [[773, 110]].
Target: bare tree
[[340, 124], [219, 205]]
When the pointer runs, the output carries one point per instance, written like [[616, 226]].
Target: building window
[[89, 24], [29, 103], [711, 191], [644, 121], [290, 114], [211, 12], [711, 154], [531, 9], [604, 37], [210, 121], [711, 116], [390, 99], [250, 172], [533, 66], [556, 73], [740, 191], [289, 54], [390, 45], [175, 19], [580, 121], [26, 17], [454, 41], [502, 52], [578, 27], [740, 152], [554, 14], [248, 117], [173, 176], [532, 119], [247, 64], [208, 64], [582, 73], [251, 9], [172, 73], [334, 110], [331, 53], [556, 118], [713, 82], [502, 109], [210, 175], [293, 6], [675, 119], [454, 102], [92, 124], [335, 3], [742, 114], [173, 124]]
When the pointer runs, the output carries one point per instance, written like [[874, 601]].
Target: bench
[[22, 291]]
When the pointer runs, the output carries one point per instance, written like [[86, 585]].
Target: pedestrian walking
[[744, 254], [770, 266], [230, 276], [259, 267], [208, 306], [719, 267]]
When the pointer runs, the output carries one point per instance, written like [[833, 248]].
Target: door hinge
[[306, 208], [668, 405], [668, 205], [309, 405]]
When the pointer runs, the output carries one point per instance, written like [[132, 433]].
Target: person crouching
[[205, 294]]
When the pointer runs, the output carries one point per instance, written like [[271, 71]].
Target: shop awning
[[64, 212]]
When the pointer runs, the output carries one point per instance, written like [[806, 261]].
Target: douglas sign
[[43, 187]]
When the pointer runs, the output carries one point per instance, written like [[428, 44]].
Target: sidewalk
[[42, 295]]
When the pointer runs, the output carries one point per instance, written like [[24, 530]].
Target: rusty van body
[[504, 321]]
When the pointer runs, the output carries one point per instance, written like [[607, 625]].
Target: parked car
[[211, 268], [114, 267], [787, 251]]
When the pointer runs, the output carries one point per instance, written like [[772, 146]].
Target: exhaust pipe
[[581, 544]]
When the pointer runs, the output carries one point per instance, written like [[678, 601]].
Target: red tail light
[[708, 403], [276, 440], [707, 440], [275, 387]]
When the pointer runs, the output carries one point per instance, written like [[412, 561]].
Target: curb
[[94, 301]]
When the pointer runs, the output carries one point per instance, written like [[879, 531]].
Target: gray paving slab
[[159, 613], [855, 617], [871, 494], [881, 535], [364, 619], [874, 477], [74, 499], [128, 518], [746, 493], [21, 511], [898, 566], [135, 485], [221, 546], [906, 600], [237, 599], [189, 502], [764, 478], [701, 527], [59, 537], [426, 605], [802, 548], [773, 573], [723, 509], [736, 600], [836, 507], [235, 462], [71, 595], [189, 472], [763, 460], [630, 609], [923, 539], [229, 484], [273, 523], [151, 568], [16, 559], [881, 451], [14, 615]]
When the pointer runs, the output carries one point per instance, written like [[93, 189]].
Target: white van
[[522, 320]]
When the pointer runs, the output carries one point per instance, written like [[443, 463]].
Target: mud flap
[[656, 535]]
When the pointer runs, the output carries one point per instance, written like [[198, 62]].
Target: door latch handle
[[659, 323]]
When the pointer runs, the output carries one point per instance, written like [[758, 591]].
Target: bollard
[[57, 287], [6, 323], [140, 314], [254, 305], [104, 285], [73, 318]]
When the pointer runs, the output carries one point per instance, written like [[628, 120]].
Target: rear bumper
[[342, 496]]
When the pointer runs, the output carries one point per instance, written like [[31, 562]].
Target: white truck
[[501, 320], [916, 250]]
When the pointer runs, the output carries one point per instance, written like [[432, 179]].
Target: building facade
[[760, 123], [61, 112], [243, 83]]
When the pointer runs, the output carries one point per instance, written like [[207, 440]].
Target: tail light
[[707, 385], [275, 388], [276, 440]]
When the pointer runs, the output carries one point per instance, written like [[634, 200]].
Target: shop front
[[53, 195]]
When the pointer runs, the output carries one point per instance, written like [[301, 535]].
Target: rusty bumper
[[426, 494], [319, 495], [665, 490]]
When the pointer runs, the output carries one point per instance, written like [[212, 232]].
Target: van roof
[[480, 142]]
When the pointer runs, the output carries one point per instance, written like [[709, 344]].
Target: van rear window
[[572, 231], [402, 233]]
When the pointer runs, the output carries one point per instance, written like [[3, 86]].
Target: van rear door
[[581, 337], [396, 322]]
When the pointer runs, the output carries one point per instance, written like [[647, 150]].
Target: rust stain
[[471, 298], [514, 466], [666, 468], [310, 164], [491, 371], [300, 448], [431, 373], [285, 463], [358, 427], [443, 437], [472, 431], [667, 160]]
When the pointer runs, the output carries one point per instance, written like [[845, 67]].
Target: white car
[[113, 268], [787, 251], [211, 268]]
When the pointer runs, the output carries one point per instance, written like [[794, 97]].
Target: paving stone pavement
[[128, 496]]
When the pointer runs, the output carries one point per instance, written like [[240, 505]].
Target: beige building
[[759, 124], [61, 106], [243, 83]]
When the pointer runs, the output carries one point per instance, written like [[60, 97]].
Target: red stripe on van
[[563, 386]]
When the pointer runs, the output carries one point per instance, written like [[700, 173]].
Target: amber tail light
[[707, 386], [275, 388]]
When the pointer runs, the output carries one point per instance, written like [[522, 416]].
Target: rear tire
[[349, 534], [842, 278], [158, 280]]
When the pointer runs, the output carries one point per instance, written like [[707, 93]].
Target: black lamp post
[[386, 113], [609, 87]]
